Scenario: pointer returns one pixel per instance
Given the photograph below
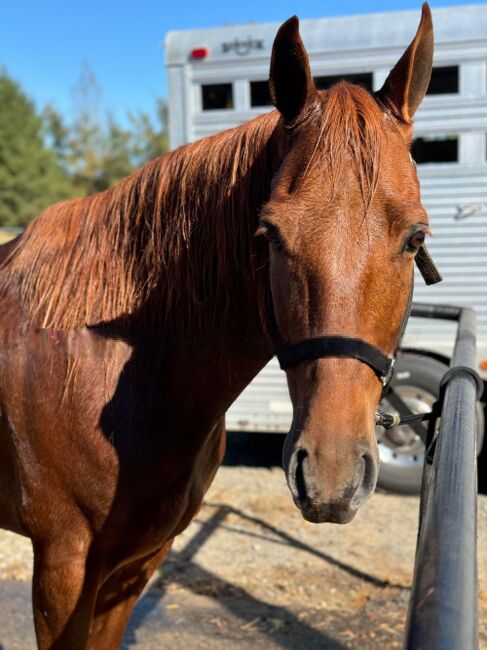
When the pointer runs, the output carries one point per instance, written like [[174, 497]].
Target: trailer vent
[[215, 96], [435, 150], [361, 79], [259, 93], [444, 80], [259, 90]]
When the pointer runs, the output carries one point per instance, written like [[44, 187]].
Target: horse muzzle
[[324, 492]]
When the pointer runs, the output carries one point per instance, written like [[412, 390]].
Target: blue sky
[[43, 44]]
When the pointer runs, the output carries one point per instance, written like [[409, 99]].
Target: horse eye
[[275, 242], [271, 233], [415, 241]]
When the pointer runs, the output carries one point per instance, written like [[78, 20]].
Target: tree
[[117, 159], [44, 158], [84, 153], [55, 134], [97, 151], [150, 140], [30, 176]]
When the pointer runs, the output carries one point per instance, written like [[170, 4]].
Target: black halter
[[290, 354], [337, 346]]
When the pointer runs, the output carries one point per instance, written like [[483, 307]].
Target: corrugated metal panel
[[459, 246], [264, 405]]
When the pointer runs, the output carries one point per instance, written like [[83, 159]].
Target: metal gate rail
[[443, 612]]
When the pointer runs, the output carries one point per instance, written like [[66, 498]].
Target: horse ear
[[290, 82], [407, 83]]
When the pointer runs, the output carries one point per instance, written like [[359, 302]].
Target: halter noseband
[[290, 354], [337, 346]]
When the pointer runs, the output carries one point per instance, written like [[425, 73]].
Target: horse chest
[[155, 503]]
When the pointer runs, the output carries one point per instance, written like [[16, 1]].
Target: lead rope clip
[[387, 420]]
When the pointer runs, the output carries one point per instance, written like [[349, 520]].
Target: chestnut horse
[[132, 319]]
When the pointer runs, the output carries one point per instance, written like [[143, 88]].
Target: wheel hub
[[401, 445]]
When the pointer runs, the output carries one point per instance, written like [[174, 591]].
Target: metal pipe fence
[[444, 600]]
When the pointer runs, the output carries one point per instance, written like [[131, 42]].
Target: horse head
[[344, 223]]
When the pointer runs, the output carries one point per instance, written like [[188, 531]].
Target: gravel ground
[[251, 572]]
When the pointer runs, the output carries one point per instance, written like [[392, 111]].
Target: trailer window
[[216, 96], [365, 80], [444, 80], [435, 150], [259, 93]]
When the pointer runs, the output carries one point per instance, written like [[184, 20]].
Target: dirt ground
[[250, 572]]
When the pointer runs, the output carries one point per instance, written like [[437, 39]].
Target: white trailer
[[218, 79]]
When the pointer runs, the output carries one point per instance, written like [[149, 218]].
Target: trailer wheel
[[401, 450]]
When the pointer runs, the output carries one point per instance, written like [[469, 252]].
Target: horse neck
[[207, 311]]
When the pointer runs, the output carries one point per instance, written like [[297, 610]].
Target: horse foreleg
[[63, 594], [117, 597]]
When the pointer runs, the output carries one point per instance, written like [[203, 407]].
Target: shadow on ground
[[221, 611], [240, 613]]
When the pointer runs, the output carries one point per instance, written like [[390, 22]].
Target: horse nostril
[[367, 482], [301, 456], [370, 474]]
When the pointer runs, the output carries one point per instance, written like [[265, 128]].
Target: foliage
[[149, 140], [98, 151], [45, 158], [30, 176]]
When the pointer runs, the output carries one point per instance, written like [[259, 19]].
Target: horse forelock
[[351, 132]]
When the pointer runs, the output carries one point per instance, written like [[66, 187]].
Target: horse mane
[[181, 229]]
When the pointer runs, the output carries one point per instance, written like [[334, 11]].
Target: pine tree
[[30, 176]]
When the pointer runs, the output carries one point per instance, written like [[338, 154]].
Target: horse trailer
[[218, 79]]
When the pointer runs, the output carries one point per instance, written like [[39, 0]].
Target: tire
[[417, 381], [482, 462]]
